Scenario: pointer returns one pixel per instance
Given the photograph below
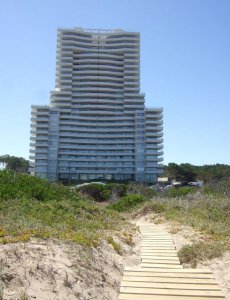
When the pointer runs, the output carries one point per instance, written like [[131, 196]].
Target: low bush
[[127, 203], [140, 189], [151, 207], [221, 187], [179, 191], [98, 192], [117, 190], [192, 254]]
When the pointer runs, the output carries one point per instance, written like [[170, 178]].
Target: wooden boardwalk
[[161, 276]]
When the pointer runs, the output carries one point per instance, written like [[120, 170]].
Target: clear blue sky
[[185, 66]]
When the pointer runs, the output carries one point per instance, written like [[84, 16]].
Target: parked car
[[87, 183], [196, 183]]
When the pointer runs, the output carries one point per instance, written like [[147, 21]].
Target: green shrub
[[154, 206], [179, 191], [221, 187], [96, 191], [140, 189], [118, 188], [127, 202], [103, 192], [192, 254]]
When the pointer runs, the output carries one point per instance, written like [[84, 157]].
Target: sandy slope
[[53, 270]]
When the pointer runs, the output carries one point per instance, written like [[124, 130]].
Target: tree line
[[188, 172], [181, 172], [14, 163]]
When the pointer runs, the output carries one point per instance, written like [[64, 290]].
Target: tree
[[187, 172], [14, 163], [206, 173], [173, 170]]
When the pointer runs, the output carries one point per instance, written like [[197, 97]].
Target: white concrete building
[[97, 126]]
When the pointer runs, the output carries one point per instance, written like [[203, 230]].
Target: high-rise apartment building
[[97, 126]]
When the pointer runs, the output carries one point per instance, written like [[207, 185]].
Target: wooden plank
[[152, 226], [153, 230], [158, 245], [169, 279], [163, 297], [166, 285], [183, 271], [173, 274], [160, 261], [151, 233], [169, 244], [156, 251], [147, 246], [156, 239], [154, 234], [160, 237], [157, 242], [173, 292], [160, 255], [163, 257], [166, 256], [156, 265], [157, 254], [151, 238], [159, 248], [151, 247]]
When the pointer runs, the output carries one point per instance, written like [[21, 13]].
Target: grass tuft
[[115, 245]]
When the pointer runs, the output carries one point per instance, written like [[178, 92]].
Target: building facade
[[97, 126]]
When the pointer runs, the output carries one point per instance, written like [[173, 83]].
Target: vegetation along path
[[161, 276]]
